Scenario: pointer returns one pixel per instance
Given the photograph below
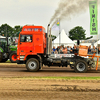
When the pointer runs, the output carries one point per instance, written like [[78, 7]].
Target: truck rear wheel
[[81, 66], [32, 65], [13, 57]]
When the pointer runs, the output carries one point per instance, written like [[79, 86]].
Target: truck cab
[[31, 43]]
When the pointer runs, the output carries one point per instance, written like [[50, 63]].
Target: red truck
[[34, 50]]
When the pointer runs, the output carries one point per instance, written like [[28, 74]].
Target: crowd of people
[[74, 49]]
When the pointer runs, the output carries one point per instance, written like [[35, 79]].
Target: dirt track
[[40, 89], [12, 88], [14, 70]]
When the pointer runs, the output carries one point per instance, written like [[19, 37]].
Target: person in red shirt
[[65, 50]]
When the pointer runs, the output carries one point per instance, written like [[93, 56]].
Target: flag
[[93, 17], [16, 40], [56, 26]]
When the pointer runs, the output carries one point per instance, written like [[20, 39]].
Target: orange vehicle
[[32, 41], [34, 50]]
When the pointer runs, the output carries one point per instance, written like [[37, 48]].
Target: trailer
[[34, 50]]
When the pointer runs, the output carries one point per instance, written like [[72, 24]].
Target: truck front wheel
[[81, 66], [32, 65]]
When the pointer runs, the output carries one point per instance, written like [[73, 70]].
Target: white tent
[[63, 39], [98, 42], [2, 36]]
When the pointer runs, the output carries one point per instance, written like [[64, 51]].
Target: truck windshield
[[26, 38]]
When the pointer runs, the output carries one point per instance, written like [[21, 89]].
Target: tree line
[[10, 31], [13, 31], [77, 33]]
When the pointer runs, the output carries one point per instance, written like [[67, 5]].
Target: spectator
[[89, 50], [96, 47], [74, 46], [65, 50], [75, 50], [54, 49], [56, 52], [60, 50], [71, 50], [77, 47], [94, 50], [98, 50], [52, 52], [62, 46], [68, 49]]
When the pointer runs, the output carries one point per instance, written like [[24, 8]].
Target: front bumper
[[21, 62]]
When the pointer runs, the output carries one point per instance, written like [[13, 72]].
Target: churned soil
[[16, 84], [48, 89]]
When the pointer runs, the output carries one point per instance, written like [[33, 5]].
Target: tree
[[17, 30], [5, 28], [78, 33], [53, 37], [11, 32]]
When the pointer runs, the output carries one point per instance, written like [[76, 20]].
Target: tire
[[4, 60], [13, 57], [81, 66], [32, 65]]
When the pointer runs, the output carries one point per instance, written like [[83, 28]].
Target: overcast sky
[[22, 12], [39, 12]]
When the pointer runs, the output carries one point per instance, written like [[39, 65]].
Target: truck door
[[26, 44]]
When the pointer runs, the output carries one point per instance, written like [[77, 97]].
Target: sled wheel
[[81, 66]]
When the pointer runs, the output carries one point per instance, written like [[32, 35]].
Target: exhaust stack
[[48, 40]]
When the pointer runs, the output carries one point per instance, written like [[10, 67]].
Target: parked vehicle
[[7, 50]]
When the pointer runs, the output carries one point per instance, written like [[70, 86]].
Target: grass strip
[[56, 78]]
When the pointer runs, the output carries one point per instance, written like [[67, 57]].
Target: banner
[[93, 18]]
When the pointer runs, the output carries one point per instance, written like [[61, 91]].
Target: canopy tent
[[2, 36], [98, 42], [63, 39]]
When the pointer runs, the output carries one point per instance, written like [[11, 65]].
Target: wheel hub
[[80, 67], [15, 57], [32, 65]]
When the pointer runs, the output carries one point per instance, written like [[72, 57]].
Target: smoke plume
[[69, 8]]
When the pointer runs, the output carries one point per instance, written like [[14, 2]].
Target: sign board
[[93, 18], [63, 55]]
